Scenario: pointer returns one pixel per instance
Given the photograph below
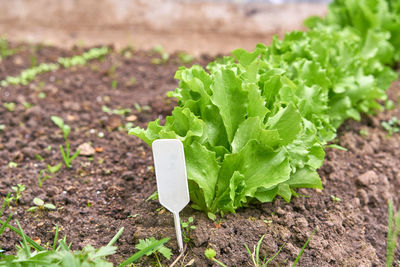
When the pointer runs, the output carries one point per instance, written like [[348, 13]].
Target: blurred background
[[193, 26]]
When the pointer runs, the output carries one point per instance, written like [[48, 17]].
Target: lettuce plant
[[254, 124]]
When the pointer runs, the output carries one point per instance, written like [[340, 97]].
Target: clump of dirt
[[108, 190]]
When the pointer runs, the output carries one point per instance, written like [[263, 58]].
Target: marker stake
[[172, 184]]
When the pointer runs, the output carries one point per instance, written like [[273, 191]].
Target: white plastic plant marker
[[172, 184]]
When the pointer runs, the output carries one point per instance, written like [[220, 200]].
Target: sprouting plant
[[335, 199], [8, 199], [131, 81], [5, 51], [185, 58], [391, 126], [12, 164], [210, 254], [43, 176], [18, 192], [2, 127], [255, 255], [66, 130], [186, 227], [55, 168], [164, 56], [121, 111], [40, 205], [9, 106], [364, 132], [140, 108], [303, 248], [392, 234], [114, 84], [145, 243], [153, 196]]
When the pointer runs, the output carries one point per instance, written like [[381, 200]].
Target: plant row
[[255, 124], [26, 76]]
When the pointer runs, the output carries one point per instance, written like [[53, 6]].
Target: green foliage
[[391, 126], [9, 106], [255, 125], [392, 234], [210, 254], [40, 205], [5, 50], [186, 227], [157, 247], [18, 192], [28, 75], [42, 176], [65, 152], [255, 255]]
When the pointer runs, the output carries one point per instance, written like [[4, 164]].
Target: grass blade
[[4, 225], [258, 250], [392, 234], [55, 238], [141, 253], [115, 238], [302, 249], [21, 234], [25, 244], [276, 254]]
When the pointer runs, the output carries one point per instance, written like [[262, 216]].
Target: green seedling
[[9, 106], [2, 127], [389, 105], [27, 105], [391, 126], [55, 168], [364, 132], [5, 51], [392, 233], [8, 199], [33, 61], [164, 56], [140, 108], [255, 255], [12, 164], [335, 199], [153, 196], [210, 254], [114, 84], [43, 176], [186, 227], [303, 248], [40, 205], [138, 255], [65, 153], [131, 81], [121, 112], [18, 192], [29, 75], [38, 157], [185, 58], [164, 251], [41, 95]]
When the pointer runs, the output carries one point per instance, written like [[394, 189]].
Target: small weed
[[55, 168], [335, 199], [164, 56], [40, 205], [131, 81], [38, 157], [114, 84], [255, 255], [153, 196], [41, 95], [65, 153], [140, 108], [27, 105], [18, 192], [185, 58], [389, 105], [5, 51], [303, 248], [12, 165], [121, 112], [42, 176], [364, 132], [2, 127], [186, 227], [391, 126], [210, 254], [9, 106], [145, 243]]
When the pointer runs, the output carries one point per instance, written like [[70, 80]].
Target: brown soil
[[101, 194]]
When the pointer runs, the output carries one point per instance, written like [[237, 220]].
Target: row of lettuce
[[254, 125]]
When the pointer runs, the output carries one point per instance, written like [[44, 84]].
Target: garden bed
[[108, 190]]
